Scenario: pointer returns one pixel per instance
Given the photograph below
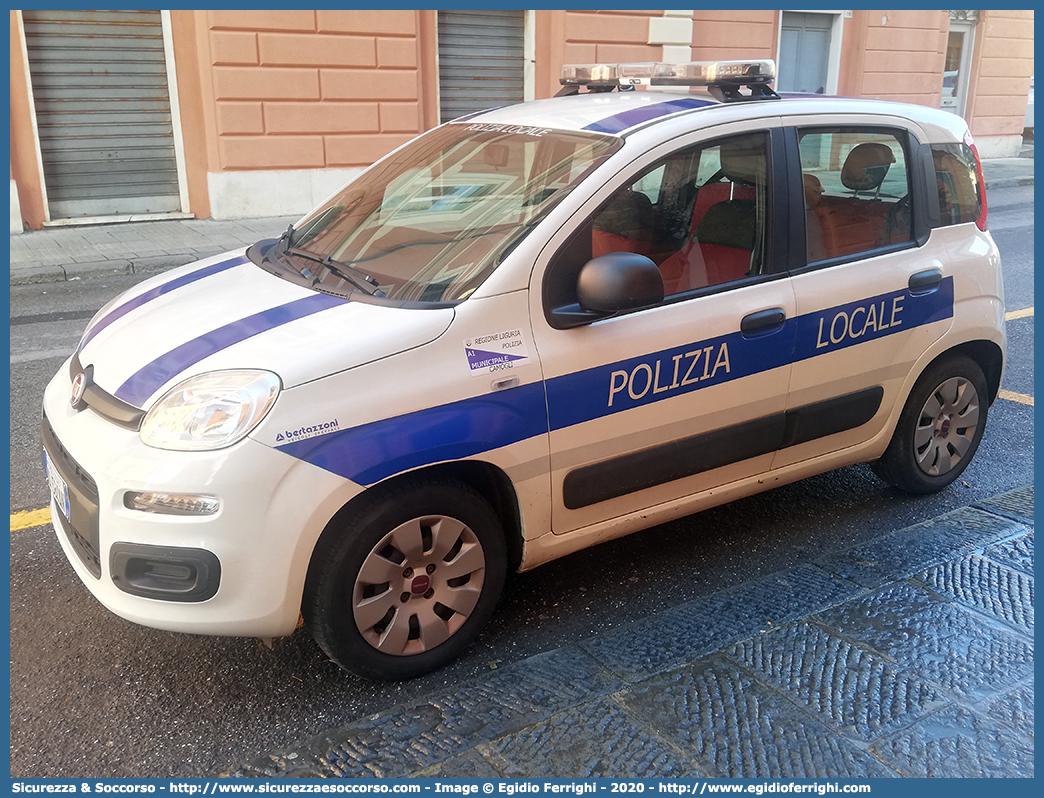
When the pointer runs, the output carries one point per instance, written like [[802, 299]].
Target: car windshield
[[432, 221]]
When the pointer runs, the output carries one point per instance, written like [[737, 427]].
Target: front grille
[[87, 553], [81, 528], [69, 468]]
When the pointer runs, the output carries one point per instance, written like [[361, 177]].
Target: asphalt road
[[95, 696]]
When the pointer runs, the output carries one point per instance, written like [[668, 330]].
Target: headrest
[[813, 190], [743, 159], [732, 223], [866, 166], [627, 211]]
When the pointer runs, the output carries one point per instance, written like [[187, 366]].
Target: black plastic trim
[[104, 403], [630, 473], [796, 251], [569, 316], [670, 461], [855, 256], [619, 281], [925, 196], [166, 573], [81, 528], [842, 413], [730, 92], [924, 282], [762, 322], [781, 215]]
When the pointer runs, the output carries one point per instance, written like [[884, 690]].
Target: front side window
[[432, 221], [857, 195], [701, 215]]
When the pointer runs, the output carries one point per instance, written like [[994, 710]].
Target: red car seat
[[852, 224]]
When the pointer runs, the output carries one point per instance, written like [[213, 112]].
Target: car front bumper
[[237, 571]]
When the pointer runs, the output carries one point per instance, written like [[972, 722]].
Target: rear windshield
[[432, 221], [960, 197]]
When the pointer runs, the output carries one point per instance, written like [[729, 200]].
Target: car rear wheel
[[408, 581], [939, 429]]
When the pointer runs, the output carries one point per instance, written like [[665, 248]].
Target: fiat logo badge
[[78, 387]]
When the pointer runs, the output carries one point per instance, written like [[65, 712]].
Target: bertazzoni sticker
[[502, 351], [310, 431]]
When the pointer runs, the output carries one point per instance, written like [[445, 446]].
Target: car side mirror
[[618, 281]]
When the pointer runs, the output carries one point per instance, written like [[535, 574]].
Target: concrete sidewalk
[[72, 253], [910, 655]]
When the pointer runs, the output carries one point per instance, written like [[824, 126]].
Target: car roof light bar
[[723, 79]]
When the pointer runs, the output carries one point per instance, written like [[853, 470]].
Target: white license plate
[[59, 490]]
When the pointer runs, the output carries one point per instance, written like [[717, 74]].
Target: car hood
[[225, 313]]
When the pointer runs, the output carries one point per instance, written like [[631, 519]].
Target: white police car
[[523, 333]]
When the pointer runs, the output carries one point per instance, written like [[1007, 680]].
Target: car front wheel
[[408, 581]]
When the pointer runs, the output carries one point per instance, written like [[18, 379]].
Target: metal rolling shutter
[[481, 60], [103, 112]]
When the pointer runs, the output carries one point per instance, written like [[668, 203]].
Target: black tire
[[939, 429], [438, 548]]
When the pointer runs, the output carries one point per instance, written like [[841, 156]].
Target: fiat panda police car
[[523, 333]]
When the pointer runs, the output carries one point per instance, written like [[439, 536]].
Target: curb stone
[[38, 274], [153, 264], [1008, 182], [97, 268]]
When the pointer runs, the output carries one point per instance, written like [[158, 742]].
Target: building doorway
[[957, 66], [807, 58], [805, 43]]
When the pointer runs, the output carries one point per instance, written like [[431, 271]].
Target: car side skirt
[[683, 458]]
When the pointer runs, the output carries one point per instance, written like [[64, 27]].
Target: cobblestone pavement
[[909, 655], [72, 253]]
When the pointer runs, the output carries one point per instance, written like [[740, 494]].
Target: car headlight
[[210, 411]]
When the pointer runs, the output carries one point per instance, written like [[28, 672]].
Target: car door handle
[[923, 282], [762, 322]]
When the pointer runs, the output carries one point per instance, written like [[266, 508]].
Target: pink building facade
[[235, 113]]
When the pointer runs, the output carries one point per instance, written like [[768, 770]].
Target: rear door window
[[857, 191]]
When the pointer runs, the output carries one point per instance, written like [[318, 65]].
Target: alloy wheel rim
[[946, 427], [418, 585]]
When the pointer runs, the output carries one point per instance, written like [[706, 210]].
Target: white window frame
[[529, 53], [175, 109]]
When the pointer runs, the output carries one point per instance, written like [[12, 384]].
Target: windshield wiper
[[360, 280]]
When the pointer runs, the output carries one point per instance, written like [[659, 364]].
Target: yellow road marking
[[1011, 396], [1021, 398], [30, 518]]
